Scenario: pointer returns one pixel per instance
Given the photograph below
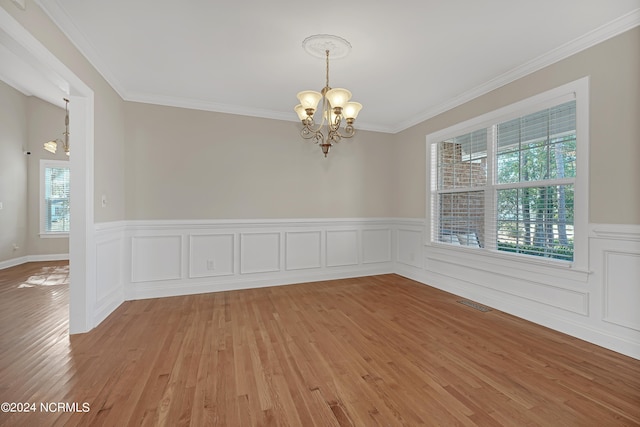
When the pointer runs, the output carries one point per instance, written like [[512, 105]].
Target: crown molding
[[599, 35], [590, 39], [198, 104]]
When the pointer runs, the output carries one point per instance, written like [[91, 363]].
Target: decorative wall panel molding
[[535, 290], [259, 252], [615, 261], [622, 288], [211, 255], [109, 292], [303, 250], [410, 247], [108, 266], [342, 248], [156, 257], [376, 245]]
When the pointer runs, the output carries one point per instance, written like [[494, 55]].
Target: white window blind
[[462, 177], [536, 163], [55, 194], [509, 185]]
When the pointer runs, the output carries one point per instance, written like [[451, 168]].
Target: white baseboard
[[108, 305], [159, 290], [32, 258], [13, 262]]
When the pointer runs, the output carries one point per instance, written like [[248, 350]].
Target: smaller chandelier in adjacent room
[[336, 108], [52, 146]]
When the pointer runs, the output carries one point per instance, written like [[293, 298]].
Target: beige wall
[[109, 110], [13, 172], [188, 164], [614, 70]]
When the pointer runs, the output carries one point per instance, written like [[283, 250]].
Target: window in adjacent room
[[515, 180], [54, 198]]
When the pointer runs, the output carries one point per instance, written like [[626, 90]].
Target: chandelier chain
[[327, 53]]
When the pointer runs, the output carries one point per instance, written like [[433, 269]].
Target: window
[[514, 180], [54, 198]]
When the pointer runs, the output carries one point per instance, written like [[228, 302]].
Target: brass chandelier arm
[[334, 133]]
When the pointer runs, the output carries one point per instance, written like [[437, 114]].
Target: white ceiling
[[410, 59]]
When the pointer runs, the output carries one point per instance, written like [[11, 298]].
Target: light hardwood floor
[[372, 351]]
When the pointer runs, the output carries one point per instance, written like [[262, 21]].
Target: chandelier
[[336, 108], [52, 146]]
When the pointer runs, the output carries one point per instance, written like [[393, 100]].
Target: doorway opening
[[28, 66]]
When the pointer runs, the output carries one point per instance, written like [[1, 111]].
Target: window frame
[[44, 164], [577, 90]]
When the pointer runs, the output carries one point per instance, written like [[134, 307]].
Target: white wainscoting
[[615, 261], [144, 259], [167, 258], [109, 292]]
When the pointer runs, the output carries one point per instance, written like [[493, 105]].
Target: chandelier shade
[[338, 97], [309, 99], [338, 114], [351, 110], [51, 146]]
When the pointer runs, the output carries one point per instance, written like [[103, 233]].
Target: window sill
[[54, 235]]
